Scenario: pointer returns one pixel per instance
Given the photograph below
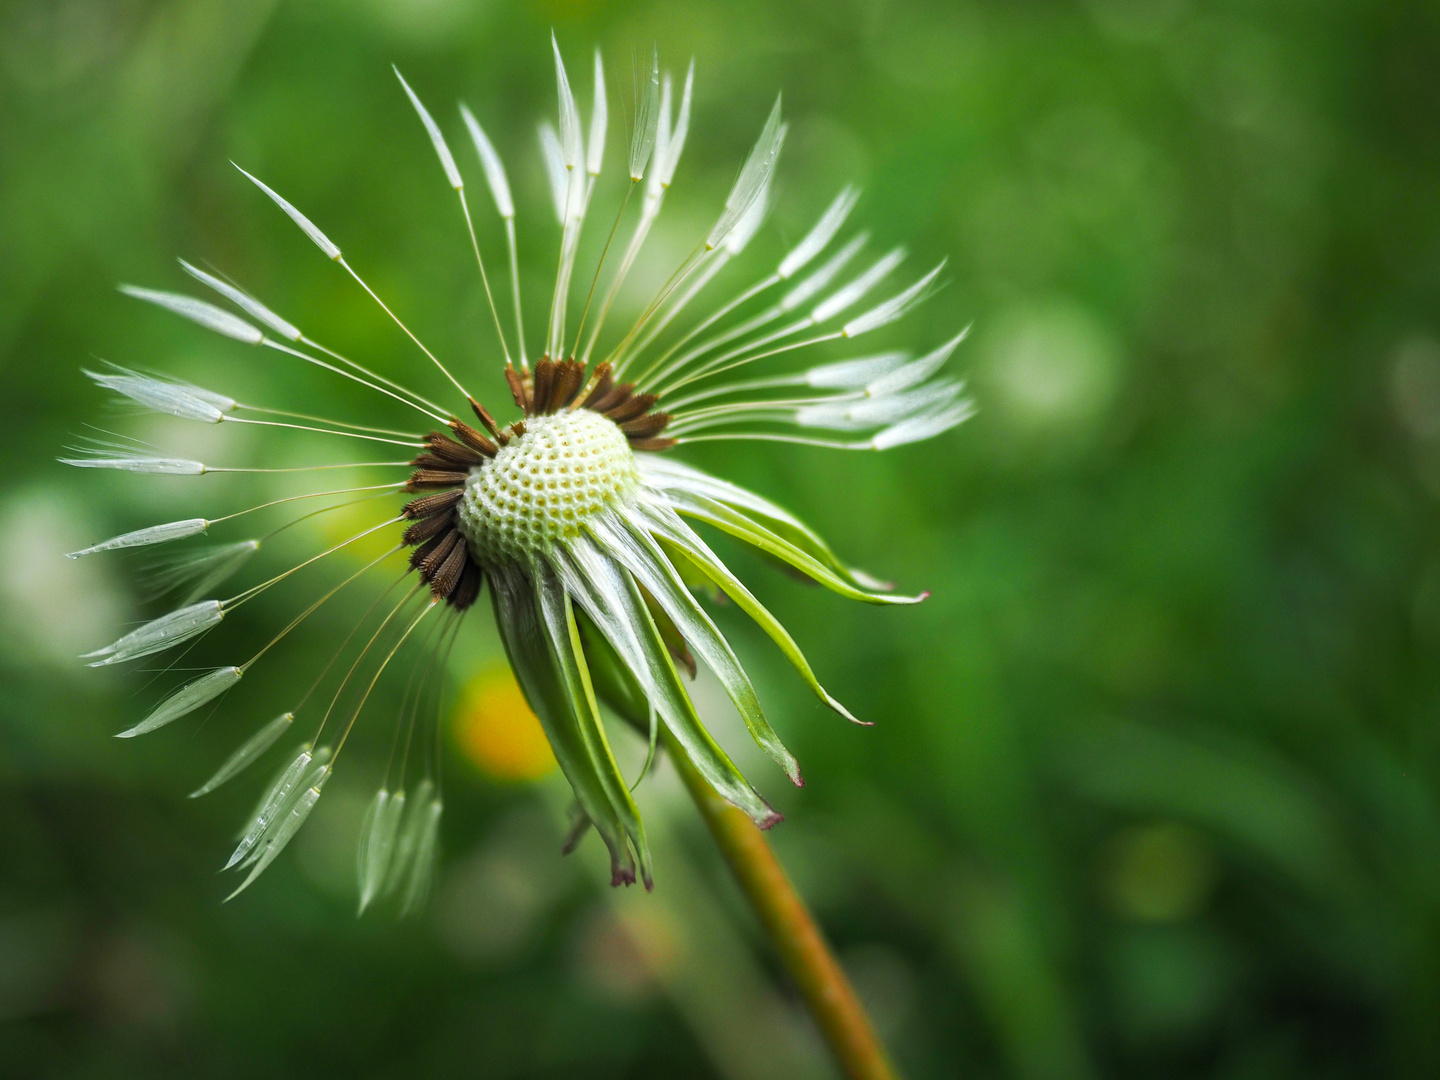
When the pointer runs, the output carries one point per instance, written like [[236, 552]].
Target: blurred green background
[[1152, 788]]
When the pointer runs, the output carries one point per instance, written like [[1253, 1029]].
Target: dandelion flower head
[[578, 516]]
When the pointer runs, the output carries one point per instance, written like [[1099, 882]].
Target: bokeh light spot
[[1051, 367], [1161, 872], [496, 730]]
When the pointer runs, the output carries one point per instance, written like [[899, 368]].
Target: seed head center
[[544, 485]]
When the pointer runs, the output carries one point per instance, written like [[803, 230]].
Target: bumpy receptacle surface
[[542, 487]]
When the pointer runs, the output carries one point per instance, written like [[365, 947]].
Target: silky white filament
[[490, 163], [377, 843], [201, 572], [873, 412], [753, 175], [675, 141], [599, 120], [654, 189], [224, 402], [275, 800], [896, 307], [839, 375], [422, 862], [916, 372], [749, 223], [140, 463], [820, 280], [207, 315], [160, 634], [244, 302], [570, 141], [647, 115], [820, 235], [155, 534], [814, 242], [306, 225], [500, 191], [284, 829], [163, 396], [409, 836], [447, 160], [853, 374], [852, 293], [186, 700], [334, 253], [923, 427], [248, 752], [555, 171]]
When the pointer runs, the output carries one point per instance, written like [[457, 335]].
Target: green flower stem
[[788, 922]]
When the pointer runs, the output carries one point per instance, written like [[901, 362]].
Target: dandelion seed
[[872, 411], [894, 308], [284, 831], [198, 311], [163, 396], [447, 161], [160, 634], [200, 572], [575, 512], [647, 116], [139, 463], [749, 224], [920, 428], [422, 865], [902, 378], [306, 225], [186, 700], [490, 162], [556, 171], [599, 120], [154, 534], [820, 235], [277, 800], [377, 843], [570, 141], [753, 176], [245, 303], [248, 752], [412, 823], [820, 280], [855, 291], [675, 137], [853, 374]]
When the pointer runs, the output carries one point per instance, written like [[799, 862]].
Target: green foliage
[[1154, 783]]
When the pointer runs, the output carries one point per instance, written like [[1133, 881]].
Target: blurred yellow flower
[[497, 731]]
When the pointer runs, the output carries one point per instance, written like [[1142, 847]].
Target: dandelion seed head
[[545, 486], [576, 517]]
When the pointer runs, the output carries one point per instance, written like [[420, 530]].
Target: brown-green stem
[[790, 926]]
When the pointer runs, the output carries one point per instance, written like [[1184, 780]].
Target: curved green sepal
[[552, 693], [682, 543], [727, 519], [672, 476], [632, 544], [612, 600]]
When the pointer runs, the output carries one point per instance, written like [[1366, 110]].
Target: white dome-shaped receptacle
[[542, 486]]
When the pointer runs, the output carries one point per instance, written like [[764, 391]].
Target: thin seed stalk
[[791, 928]]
